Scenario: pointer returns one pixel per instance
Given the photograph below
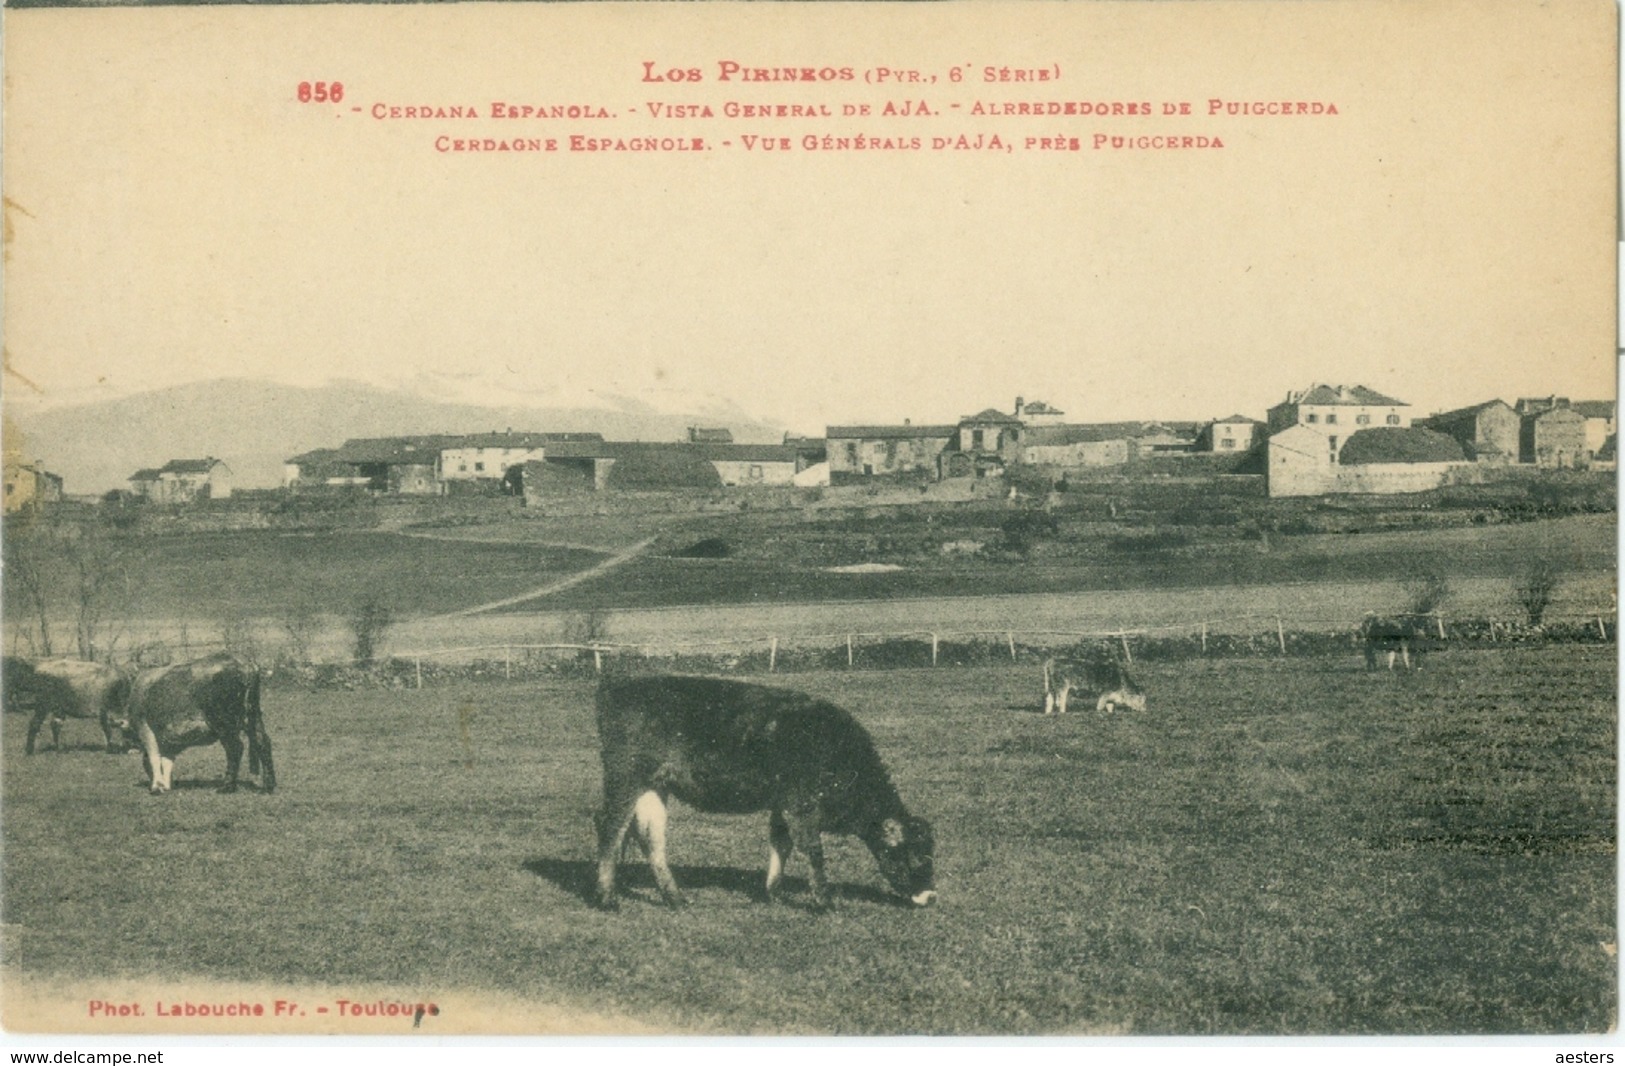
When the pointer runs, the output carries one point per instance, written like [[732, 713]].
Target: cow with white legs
[[731, 747], [1403, 639], [189, 705], [1101, 677], [55, 690]]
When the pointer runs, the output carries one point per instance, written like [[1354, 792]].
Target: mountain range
[[255, 425]]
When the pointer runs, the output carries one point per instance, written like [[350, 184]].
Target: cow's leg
[[234, 759], [805, 834], [110, 733], [779, 848], [56, 732], [649, 815], [33, 730], [1370, 655], [1060, 703], [1405, 653], [153, 762], [1049, 701], [613, 821]]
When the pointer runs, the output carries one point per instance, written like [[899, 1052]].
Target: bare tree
[[301, 620], [369, 620], [1427, 592], [26, 585], [1536, 588], [99, 586]]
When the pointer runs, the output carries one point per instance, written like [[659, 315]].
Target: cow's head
[[1126, 692], [903, 847]]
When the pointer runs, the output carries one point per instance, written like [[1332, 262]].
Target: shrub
[[1535, 589], [369, 620], [1426, 592]]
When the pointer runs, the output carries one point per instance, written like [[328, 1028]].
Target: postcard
[[1012, 519]]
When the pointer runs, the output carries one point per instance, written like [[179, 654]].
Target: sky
[[175, 213]]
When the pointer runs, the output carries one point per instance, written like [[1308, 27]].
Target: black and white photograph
[[568, 521]]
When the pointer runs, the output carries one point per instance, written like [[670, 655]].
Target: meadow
[[1278, 846]]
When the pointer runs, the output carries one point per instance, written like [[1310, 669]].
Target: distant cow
[[54, 690], [1103, 678], [1403, 639], [173, 708], [733, 748]]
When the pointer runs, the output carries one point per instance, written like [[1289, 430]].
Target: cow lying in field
[[173, 708], [1104, 679], [1403, 639], [54, 690], [733, 748]]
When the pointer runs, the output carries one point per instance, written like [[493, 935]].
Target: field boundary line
[[624, 556]]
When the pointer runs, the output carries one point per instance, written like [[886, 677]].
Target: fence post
[[1492, 629], [772, 653], [1123, 637], [507, 662], [933, 649], [1011, 637], [1204, 638], [1440, 619], [1602, 630], [597, 659], [418, 659], [1280, 631], [849, 651]]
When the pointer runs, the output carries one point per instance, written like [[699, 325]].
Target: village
[[1320, 441]]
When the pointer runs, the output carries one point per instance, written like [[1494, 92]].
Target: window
[[1393, 420], [1332, 442], [1362, 420], [852, 453], [1227, 443], [975, 439], [755, 472], [1312, 418], [1331, 418], [479, 468]]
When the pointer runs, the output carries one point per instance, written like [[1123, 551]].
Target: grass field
[[1277, 846]]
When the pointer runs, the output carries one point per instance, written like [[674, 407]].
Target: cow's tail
[[259, 742]]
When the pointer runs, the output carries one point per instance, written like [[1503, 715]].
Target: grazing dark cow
[[54, 690], [1105, 679], [733, 748], [173, 708], [1404, 638]]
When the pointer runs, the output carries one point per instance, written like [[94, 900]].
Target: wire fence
[[1199, 638]]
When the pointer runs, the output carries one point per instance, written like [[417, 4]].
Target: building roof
[[993, 416], [905, 431], [1343, 395], [1399, 444], [190, 466], [147, 473], [1557, 414], [1039, 407], [1466, 412], [513, 440], [738, 453], [1237, 420], [1594, 408]]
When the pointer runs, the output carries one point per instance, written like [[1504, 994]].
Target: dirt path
[[624, 556]]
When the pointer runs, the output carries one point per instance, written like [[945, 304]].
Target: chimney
[[1019, 406]]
